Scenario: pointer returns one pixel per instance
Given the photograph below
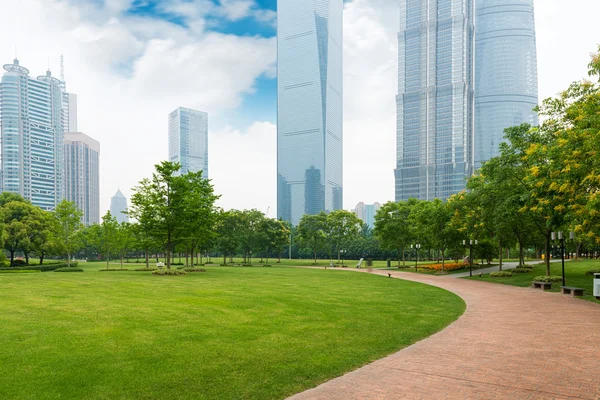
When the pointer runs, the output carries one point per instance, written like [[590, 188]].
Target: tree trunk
[[187, 257], [42, 258], [107, 258], [547, 253], [315, 254], [68, 259], [224, 259], [443, 259], [403, 257], [521, 254], [400, 256], [147, 260], [121, 260], [500, 254], [26, 258]]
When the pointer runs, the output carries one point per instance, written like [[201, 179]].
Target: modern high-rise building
[[32, 132], [366, 212], [118, 204], [188, 140], [309, 107], [435, 102], [82, 176], [506, 84]]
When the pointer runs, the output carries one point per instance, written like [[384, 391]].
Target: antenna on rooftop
[[62, 68]]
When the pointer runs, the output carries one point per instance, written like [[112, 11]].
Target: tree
[[228, 226], [125, 239], [43, 232], [16, 229], [69, 219], [109, 236], [273, 235], [342, 225], [312, 232], [392, 227]]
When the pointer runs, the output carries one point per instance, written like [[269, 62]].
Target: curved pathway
[[511, 343]]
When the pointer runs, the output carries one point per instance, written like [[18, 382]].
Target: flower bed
[[447, 266]]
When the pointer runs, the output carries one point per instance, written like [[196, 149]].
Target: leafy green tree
[[393, 229], [69, 219], [125, 239], [43, 231], [342, 226], [16, 229], [273, 235], [228, 226], [110, 236], [312, 232], [248, 231]]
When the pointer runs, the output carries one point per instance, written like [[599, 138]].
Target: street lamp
[[342, 252], [562, 250], [471, 243], [416, 247]]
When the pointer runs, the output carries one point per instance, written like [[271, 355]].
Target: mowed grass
[[229, 333], [574, 274]]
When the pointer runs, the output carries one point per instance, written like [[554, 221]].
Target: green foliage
[[551, 278], [42, 268], [593, 271], [147, 269], [69, 219], [18, 271], [312, 232], [113, 269], [68, 269], [342, 227], [501, 274], [169, 272], [521, 270], [194, 270]]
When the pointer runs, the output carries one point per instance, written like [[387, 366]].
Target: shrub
[[42, 268], [552, 278], [526, 266], [267, 265], [447, 266], [68, 269], [501, 274], [19, 271], [170, 272], [520, 270], [112, 269], [194, 270], [176, 263], [593, 271], [147, 269], [19, 263]]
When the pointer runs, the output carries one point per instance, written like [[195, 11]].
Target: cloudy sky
[[131, 62]]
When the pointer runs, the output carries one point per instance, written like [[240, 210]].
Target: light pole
[[342, 252], [471, 243], [562, 250], [417, 247]]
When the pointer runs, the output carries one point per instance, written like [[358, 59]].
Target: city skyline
[[188, 140], [140, 48]]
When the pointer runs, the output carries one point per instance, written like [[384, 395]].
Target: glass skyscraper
[[367, 212], [118, 205], [188, 140], [82, 175], [32, 120], [435, 98], [309, 107], [506, 85]]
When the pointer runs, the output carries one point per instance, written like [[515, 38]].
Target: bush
[[42, 268], [447, 266], [501, 274], [521, 270], [112, 269], [19, 263], [552, 278], [147, 269], [68, 269], [526, 266], [267, 265], [194, 270], [175, 263], [19, 271], [170, 272], [593, 271]]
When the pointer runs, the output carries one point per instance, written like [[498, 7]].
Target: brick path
[[511, 343]]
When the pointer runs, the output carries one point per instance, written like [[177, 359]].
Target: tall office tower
[[82, 176], [118, 204], [32, 136], [506, 84], [188, 140], [366, 213], [435, 101], [69, 103], [309, 107]]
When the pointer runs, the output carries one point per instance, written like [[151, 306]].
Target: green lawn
[[229, 333], [574, 273]]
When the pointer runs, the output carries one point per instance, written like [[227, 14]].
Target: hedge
[[42, 268]]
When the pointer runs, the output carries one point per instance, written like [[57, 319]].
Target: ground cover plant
[[575, 272], [252, 333]]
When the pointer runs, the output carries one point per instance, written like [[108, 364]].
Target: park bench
[[541, 285], [573, 291], [160, 264]]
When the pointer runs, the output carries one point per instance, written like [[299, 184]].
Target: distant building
[[82, 175], [118, 204], [366, 212], [32, 130], [188, 140], [309, 107]]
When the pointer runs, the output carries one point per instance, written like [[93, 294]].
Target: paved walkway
[[511, 343]]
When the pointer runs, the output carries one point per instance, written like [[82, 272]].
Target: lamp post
[[417, 247], [561, 239], [471, 243], [342, 252]]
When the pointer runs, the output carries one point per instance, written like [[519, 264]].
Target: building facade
[[435, 101], [82, 175], [506, 84], [309, 107], [32, 132], [367, 212], [188, 140], [118, 205]]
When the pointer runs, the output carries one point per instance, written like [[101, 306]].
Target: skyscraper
[[435, 99], [366, 212], [69, 107], [506, 85], [32, 136], [82, 175], [188, 140], [309, 107], [118, 204]]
